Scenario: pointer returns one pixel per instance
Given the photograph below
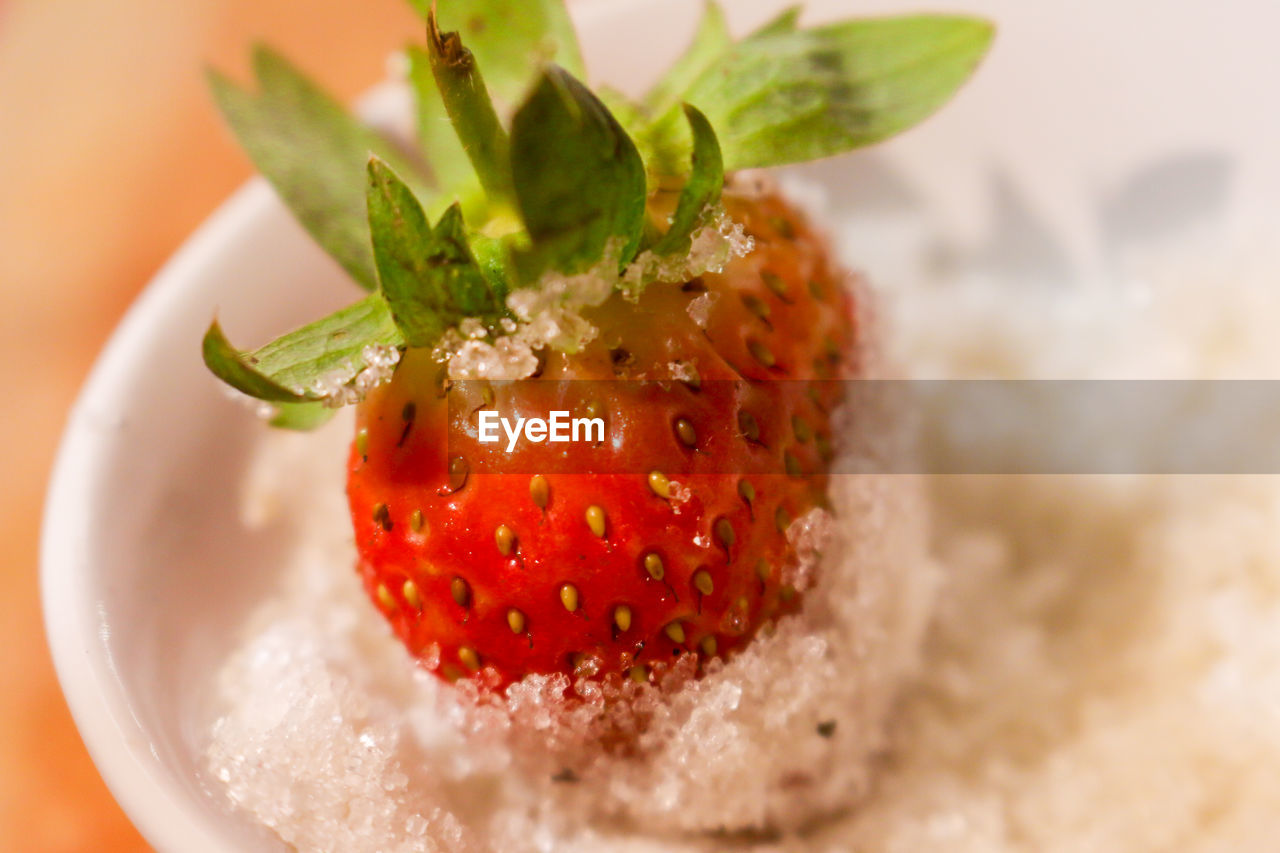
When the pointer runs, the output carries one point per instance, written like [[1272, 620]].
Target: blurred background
[[110, 154]]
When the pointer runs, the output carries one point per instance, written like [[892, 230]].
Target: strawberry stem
[[470, 109]]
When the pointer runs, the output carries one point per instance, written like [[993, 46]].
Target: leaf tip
[[376, 169], [214, 76], [262, 55], [989, 30], [213, 339], [226, 91], [984, 30], [978, 31], [233, 367]]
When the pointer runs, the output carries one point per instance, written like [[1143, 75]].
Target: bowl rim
[[74, 625]]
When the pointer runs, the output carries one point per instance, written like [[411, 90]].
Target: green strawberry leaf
[[450, 166], [466, 100], [661, 139], [313, 152], [701, 191], [631, 115], [475, 292], [301, 416], [579, 180], [785, 22], [330, 345], [240, 371], [493, 256], [511, 39], [331, 350], [710, 42], [402, 244], [786, 97], [430, 279]]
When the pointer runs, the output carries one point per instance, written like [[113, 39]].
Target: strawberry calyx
[[542, 197]]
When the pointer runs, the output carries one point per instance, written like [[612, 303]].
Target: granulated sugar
[[1067, 663], [335, 739]]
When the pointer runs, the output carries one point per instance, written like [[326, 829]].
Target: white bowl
[[1095, 123]]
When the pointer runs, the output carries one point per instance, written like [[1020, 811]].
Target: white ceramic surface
[[1095, 124]]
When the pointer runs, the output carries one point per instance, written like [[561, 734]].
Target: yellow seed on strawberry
[[653, 565], [685, 432], [569, 597], [460, 591], [756, 306], [596, 520], [781, 519], [459, 470], [505, 538], [412, 595], [761, 353], [539, 491], [724, 532], [776, 285]]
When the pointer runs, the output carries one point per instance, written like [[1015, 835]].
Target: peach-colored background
[[110, 154]]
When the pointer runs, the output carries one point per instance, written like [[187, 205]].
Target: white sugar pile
[[334, 738], [1101, 672]]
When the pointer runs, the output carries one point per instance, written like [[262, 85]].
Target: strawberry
[[593, 267], [523, 572]]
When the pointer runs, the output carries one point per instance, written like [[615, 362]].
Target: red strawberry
[[670, 536], [528, 572]]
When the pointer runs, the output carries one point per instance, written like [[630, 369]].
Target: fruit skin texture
[[503, 575]]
